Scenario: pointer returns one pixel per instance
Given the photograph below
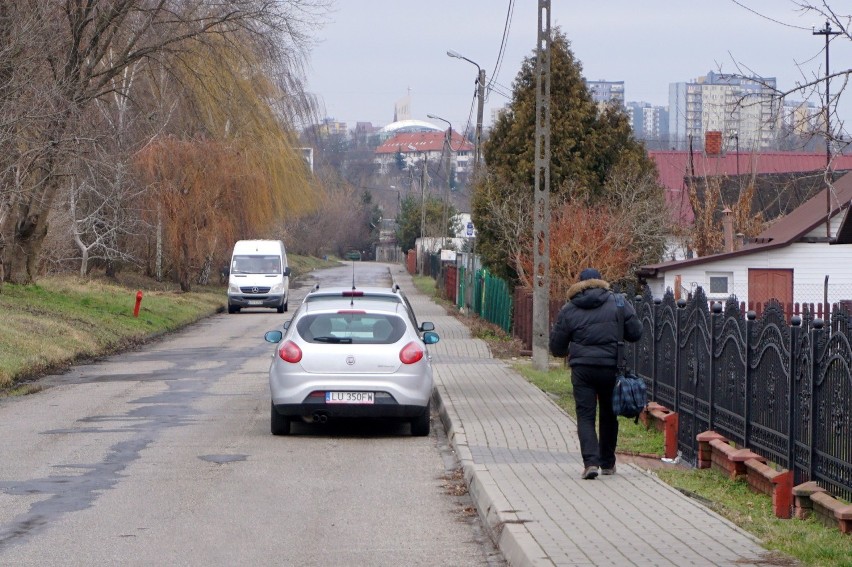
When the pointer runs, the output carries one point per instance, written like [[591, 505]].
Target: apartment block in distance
[[739, 107], [607, 92]]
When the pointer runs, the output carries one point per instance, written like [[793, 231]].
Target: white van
[[259, 275]]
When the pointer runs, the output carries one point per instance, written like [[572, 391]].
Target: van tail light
[[411, 353], [290, 352]]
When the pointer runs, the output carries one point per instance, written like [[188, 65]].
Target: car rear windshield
[[351, 328]]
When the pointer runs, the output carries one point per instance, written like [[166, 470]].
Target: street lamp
[[736, 136], [447, 140], [827, 32], [480, 95]]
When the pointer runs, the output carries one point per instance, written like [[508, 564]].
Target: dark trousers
[[593, 387]]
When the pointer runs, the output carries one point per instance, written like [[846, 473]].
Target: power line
[[501, 90], [503, 42], [765, 17]]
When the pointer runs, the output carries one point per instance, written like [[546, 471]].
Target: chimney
[[713, 143], [728, 229], [740, 241]]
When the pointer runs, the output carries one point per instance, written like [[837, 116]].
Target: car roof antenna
[[352, 299]]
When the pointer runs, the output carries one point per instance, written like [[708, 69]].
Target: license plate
[[349, 397], [255, 302]]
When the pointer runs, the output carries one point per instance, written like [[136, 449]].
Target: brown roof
[[674, 167], [786, 229]]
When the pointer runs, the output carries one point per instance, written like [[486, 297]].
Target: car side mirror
[[427, 326], [431, 337], [287, 271], [273, 336]]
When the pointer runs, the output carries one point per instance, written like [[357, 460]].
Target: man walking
[[586, 330]]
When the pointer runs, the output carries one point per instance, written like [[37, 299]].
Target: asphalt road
[[163, 456]]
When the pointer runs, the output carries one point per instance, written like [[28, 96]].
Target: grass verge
[[64, 319]]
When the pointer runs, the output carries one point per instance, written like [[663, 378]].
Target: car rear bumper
[[389, 409], [392, 390]]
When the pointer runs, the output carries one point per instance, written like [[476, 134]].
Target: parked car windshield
[[351, 328], [256, 265]]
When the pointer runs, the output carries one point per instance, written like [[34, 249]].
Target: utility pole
[[541, 212], [421, 252], [827, 32], [423, 177], [448, 142], [736, 137], [480, 95]]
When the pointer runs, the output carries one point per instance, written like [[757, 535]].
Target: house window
[[720, 283]]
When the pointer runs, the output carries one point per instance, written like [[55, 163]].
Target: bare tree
[[101, 212], [84, 45]]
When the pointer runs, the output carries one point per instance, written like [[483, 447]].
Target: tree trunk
[[183, 269], [204, 276], [24, 227], [159, 257], [84, 262], [21, 254]]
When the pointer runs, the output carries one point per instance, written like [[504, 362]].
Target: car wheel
[[420, 425], [286, 306], [233, 309], [279, 424], [282, 308]]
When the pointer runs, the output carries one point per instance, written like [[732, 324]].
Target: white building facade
[[742, 109]]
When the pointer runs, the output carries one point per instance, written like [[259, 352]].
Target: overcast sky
[[372, 53]]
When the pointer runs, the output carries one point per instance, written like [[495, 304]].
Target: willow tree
[[197, 184], [84, 45], [589, 148], [238, 97]]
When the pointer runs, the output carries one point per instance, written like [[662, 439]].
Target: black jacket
[[586, 328]]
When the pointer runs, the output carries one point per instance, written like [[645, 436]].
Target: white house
[[800, 258], [414, 147]]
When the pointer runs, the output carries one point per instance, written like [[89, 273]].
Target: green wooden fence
[[492, 300]]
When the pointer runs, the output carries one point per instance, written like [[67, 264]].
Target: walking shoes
[[589, 473], [608, 472]]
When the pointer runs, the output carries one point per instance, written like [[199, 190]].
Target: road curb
[[505, 528]]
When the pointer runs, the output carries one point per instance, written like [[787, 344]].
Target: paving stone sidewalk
[[522, 464]]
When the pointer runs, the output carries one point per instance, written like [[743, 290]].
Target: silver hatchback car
[[347, 358]]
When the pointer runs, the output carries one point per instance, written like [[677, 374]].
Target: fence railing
[[782, 389]]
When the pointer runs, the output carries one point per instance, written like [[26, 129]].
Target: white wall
[[810, 264]]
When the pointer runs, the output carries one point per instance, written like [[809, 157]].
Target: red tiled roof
[[423, 142], [674, 166], [784, 231]]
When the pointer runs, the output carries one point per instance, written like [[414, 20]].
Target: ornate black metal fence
[[782, 390]]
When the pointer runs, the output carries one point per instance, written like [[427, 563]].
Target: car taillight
[[411, 353], [290, 352]]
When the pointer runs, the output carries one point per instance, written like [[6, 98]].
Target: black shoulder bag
[[630, 395]]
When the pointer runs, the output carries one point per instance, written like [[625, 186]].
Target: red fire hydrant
[[138, 303]]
